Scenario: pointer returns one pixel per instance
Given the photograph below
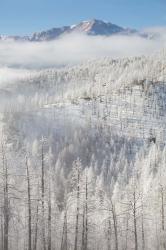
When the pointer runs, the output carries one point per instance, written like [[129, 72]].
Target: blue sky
[[27, 16]]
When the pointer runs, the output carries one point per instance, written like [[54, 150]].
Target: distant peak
[[97, 27], [94, 21], [93, 27]]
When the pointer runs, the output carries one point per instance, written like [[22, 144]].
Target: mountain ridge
[[92, 27]]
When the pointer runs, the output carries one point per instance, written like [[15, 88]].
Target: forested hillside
[[83, 157]]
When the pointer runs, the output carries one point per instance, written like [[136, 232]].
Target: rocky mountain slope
[[91, 27]]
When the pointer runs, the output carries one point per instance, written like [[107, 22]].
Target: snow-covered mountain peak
[[98, 27], [92, 27]]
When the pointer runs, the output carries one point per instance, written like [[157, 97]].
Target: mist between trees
[[82, 157]]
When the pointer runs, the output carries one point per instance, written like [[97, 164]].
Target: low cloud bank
[[73, 49], [12, 75]]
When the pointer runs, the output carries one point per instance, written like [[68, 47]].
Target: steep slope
[[104, 91], [103, 121], [97, 27]]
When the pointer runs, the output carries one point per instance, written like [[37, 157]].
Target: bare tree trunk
[[143, 235], [162, 213], [2, 234], [49, 220], [6, 201], [43, 203], [64, 233], [135, 222], [115, 225], [83, 230], [162, 209], [86, 214], [36, 227], [29, 209], [142, 228], [127, 229], [78, 209], [109, 235], [6, 219]]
